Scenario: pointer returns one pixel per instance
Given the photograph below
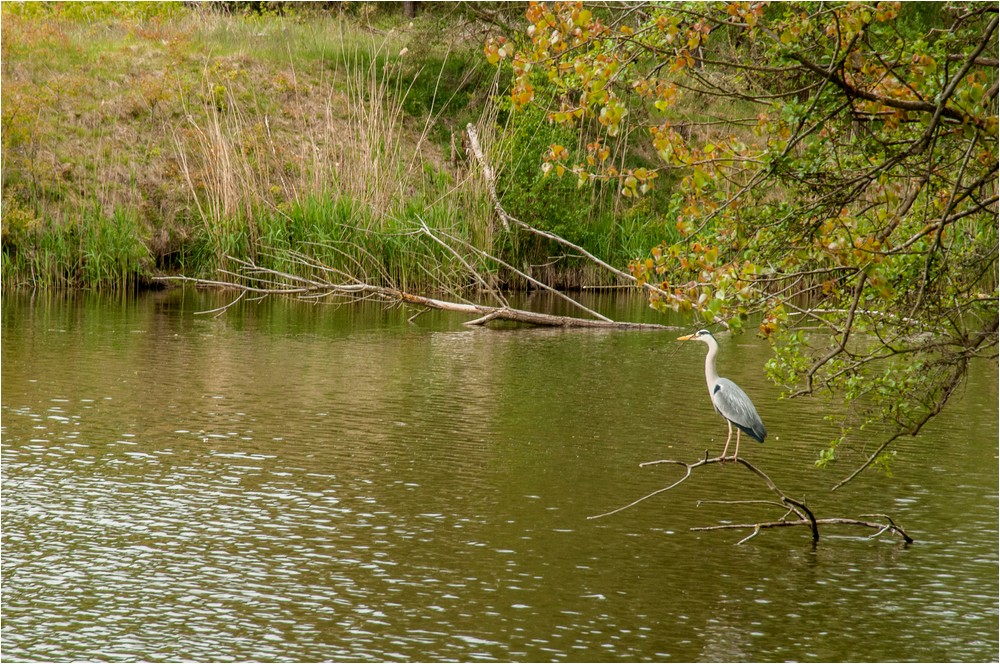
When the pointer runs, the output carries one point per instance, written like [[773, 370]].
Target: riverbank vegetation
[[146, 139]]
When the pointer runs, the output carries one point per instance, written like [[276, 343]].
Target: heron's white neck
[[711, 375]]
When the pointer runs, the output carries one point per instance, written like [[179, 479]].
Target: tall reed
[[354, 195]]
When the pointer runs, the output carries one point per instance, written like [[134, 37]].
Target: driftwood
[[254, 279], [327, 282], [804, 516]]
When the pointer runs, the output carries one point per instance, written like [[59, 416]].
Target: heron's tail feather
[[756, 431]]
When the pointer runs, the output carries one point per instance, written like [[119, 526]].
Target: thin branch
[[687, 474], [507, 219], [953, 383], [939, 109], [842, 343], [521, 274], [218, 311], [793, 506], [832, 521], [756, 531], [487, 287]]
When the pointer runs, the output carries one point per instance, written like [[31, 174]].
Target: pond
[[288, 482]]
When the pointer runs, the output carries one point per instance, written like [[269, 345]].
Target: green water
[[289, 482]]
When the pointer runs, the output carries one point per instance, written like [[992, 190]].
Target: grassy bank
[[143, 139]]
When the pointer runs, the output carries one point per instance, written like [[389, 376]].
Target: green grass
[[99, 252]]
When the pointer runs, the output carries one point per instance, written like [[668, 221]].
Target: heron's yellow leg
[[730, 437], [737, 452]]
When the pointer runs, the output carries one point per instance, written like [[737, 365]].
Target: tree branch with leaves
[[837, 164]]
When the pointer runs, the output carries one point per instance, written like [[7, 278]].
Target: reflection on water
[[306, 483]]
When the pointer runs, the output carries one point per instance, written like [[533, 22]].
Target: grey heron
[[729, 400]]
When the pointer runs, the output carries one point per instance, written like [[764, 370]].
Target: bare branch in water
[[793, 506], [252, 278]]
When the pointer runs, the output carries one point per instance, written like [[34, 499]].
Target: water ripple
[[327, 494]]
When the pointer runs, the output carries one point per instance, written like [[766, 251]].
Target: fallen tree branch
[[488, 287], [507, 220], [255, 279], [793, 506], [427, 231], [757, 527]]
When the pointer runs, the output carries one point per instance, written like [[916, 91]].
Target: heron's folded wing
[[734, 405]]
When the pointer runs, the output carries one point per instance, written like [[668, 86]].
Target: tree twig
[[510, 267]]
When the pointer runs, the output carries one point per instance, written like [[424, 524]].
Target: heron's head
[[700, 335]]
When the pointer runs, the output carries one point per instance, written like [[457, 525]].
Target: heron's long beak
[[686, 337]]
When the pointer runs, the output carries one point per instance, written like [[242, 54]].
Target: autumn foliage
[[838, 169]]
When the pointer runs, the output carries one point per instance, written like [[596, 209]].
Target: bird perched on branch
[[729, 400]]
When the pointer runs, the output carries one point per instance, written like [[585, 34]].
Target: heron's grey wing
[[734, 405]]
